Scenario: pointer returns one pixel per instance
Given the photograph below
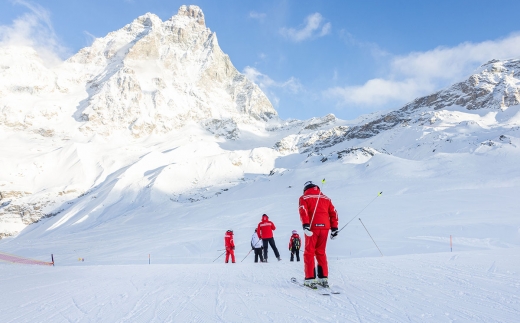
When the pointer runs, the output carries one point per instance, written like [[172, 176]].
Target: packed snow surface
[[470, 196], [476, 286]]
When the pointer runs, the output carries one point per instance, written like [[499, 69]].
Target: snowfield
[[476, 286], [469, 196]]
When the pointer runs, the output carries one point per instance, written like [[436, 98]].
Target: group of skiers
[[317, 215], [261, 239]]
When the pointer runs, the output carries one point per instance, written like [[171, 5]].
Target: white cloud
[[89, 38], [257, 15], [373, 48], [421, 73], [265, 82], [378, 92], [325, 30], [255, 76], [269, 86], [313, 27], [34, 28]]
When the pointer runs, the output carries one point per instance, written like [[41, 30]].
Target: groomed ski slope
[[474, 286], [175, 199], [472, 197]]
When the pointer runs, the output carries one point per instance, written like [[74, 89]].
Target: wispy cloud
[[34, 28], [313, 26], [257, 15], [373, 48], [269, 86], [420, 73], [89, 38]]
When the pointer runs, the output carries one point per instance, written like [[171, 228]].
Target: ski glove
[[307, 229], [334, 233], [232, 248]]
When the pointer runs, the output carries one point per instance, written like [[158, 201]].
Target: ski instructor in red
[[318, 216]]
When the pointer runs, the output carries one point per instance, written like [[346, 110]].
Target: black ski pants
[[273, 246], [258, 254], [293, 252]]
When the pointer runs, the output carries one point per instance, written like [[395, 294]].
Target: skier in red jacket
[[294, 245], [230, 246], [318, 215], [265, 232]]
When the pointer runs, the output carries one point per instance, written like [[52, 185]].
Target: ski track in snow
[[414, 288]]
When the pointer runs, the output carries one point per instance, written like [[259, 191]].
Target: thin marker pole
[[360, 211], [219, 256], [451, 244], [247, 255], [371, 237], [148, 258]]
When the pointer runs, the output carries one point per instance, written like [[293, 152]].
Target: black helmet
[[307, 185], [230, 231]]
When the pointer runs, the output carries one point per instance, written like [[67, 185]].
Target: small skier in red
[[230, 246], [265, 232], [318, 215], [294, 245]]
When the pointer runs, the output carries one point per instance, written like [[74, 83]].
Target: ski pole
[[315, 207], [360, 211], [219, 256], [371, 237], [247, 255]]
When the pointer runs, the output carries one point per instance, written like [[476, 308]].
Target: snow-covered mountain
[[148, 77], [486, 103], [155, 117]]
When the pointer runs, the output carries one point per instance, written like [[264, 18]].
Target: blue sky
[[310, 57]]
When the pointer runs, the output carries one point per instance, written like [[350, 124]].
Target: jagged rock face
[[315, 141], [148, 77], [153, 76], [493, 87]]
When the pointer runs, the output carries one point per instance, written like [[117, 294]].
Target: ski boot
[[311, 283], [279, 258], [323, 282]]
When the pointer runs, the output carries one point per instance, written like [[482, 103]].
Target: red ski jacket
[[325, 216], [265, 228], [297, 241], [228, 240]]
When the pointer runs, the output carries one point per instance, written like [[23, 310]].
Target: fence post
[[52, 258]]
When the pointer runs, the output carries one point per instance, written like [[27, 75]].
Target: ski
[[321, 292], [332, 291], [320, 289]]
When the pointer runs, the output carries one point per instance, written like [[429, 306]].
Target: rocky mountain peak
[[193, 12], [148, 77]]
